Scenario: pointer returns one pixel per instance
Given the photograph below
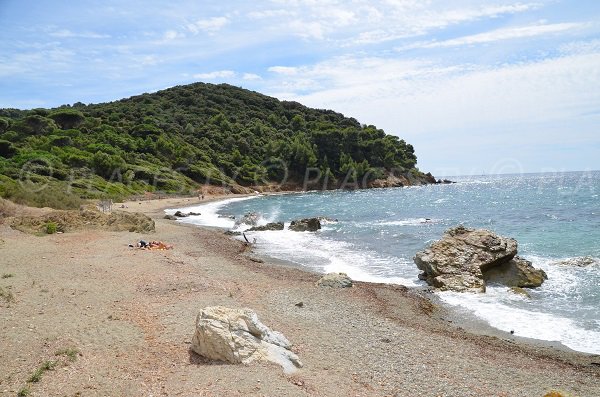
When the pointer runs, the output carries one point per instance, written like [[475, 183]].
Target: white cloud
[[501, 34], [263, 14], [251, 76], [210, 25], [171, 35], [286, 70], [65, 33], [445, 108], [218, 74]]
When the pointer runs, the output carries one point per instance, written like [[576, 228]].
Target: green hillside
[[176, 139]]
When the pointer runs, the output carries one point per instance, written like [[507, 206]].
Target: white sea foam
[[209, 213], [408, 222], [549, 315], [494, 308], [325, 255]]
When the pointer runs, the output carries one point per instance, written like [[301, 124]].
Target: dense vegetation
[[175, 139]]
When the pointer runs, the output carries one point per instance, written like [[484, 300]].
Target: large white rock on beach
[[458, 260], [237, 336], [335, 280]]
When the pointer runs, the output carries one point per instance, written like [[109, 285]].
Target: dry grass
[[7, 208], [6, 295]]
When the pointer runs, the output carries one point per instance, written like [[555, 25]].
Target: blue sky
[[476, 86]]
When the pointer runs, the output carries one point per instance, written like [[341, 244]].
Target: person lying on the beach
[[159, 245], [154, 245], [142, 244]]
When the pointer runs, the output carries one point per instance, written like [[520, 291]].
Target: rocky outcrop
[[517, 272], [180, 214], [250, 219], [267, 227], [305, 225], [460, 260], [335, 280], [237, 336], [170, 217], [389, 181]]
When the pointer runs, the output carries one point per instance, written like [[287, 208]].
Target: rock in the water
[[232, 233], [457, 261], [170, 217], [517, 272], [580, 261], [237, 336], [250, 219], [180, 214], [305, 225], [194, 214], [335, 280], [268, 226], [520, 291]]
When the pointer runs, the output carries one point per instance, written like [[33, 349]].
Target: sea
[[373, 235]]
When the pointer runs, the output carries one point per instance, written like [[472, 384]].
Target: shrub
[[51, 227]]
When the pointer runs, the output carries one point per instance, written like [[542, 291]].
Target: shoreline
[[459, 319], [130, 314]]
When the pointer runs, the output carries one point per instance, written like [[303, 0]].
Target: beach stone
[[335, 280], [268, 226], [520, 291], [250, 219], [517, 272], [305, 225], [170, 217], [180, 214], [458, 260], [237, 336]]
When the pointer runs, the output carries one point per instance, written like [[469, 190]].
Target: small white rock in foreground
[[237, 336]]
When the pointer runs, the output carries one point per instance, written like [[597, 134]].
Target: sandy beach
[[118, 321]]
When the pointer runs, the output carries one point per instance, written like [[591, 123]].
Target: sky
[[476, 87]]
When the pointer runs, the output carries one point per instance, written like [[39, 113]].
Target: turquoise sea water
[[552, 216]]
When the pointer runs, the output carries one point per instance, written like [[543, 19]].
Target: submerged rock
[[268, 226], [335, 280], [520, 291], [517, 272], [580, 261], [305, 225], [237, 336], [250, 219]]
